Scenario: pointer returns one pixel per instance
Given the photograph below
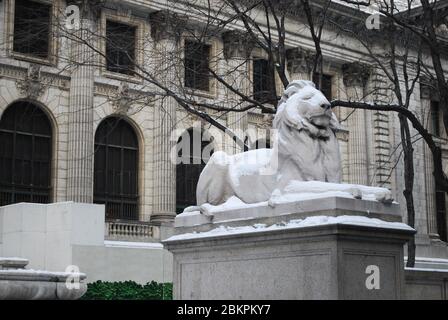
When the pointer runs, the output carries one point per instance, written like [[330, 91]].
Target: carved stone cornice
[[20, 74], [14, 72], [32, 86], [299, 60], [166, 25], [355, 74], [237, 44]]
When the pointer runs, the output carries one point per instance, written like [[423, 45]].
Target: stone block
[[331, 257]]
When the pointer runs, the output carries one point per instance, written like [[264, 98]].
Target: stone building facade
[[77, 94]]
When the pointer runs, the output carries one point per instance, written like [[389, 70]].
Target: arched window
[[116, 169], [193, 149], [25, 154]]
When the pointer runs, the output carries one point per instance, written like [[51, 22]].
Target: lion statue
[[305, 150]]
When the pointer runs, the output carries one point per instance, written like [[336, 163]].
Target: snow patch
[[40, 273], [132, 245], [298, 223], [13, 259], [427, 269], [232, 203]]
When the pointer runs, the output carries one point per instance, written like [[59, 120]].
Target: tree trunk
[[408, 159]]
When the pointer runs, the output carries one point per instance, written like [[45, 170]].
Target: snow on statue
[[305, 151]]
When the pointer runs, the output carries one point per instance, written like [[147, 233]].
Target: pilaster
[[166, 42], [355, 76], [237, 50], [80, 117]]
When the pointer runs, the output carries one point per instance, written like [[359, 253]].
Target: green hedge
[[128, 290]]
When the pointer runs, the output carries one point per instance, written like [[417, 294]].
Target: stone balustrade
[[129, 230]]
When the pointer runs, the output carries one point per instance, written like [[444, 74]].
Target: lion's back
[[227, 175]]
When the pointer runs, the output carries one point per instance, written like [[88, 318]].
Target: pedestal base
[[343, 257]]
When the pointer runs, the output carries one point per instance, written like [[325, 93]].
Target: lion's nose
[[326, 106]]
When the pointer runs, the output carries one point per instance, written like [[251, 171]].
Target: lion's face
[[304, 107], [314, 107]]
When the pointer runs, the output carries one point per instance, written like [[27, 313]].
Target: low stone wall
[[426, 284], [55, 236]]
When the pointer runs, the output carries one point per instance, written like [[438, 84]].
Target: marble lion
[[305, 149]]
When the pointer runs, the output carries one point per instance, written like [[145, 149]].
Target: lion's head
[[304, 107]]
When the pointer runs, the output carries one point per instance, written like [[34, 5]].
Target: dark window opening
[[325, 84], [120, 47], [32, 28], [192, 150], [116, 169], [25, 155], [263, 82], [261, 144], [441, 215], [197, 61], [435, 118]]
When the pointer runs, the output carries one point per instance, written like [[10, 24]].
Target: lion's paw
[[356, 193], [384, 197], [206, 212], [276, 194]]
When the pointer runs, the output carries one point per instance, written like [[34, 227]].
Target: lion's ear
[[334, 123]]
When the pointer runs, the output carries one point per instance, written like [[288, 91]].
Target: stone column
[[237, 49], [166, 48], [80, 116], [299, 64], [355, 76]]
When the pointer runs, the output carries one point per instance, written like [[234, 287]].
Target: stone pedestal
[[18, 283], [320, 257]]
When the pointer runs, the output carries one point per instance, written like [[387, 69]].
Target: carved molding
[[299, 60], [14, 72], [237, 44], [105, 89], [123, 97], [355, 74], [55, 80], [20, 74], [32, 86]]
